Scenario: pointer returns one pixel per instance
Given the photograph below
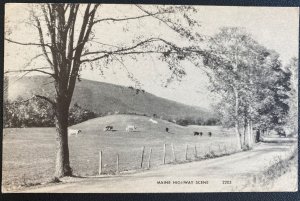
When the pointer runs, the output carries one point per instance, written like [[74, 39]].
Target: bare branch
[[66, 7], [156, 17], [29, 43], [128, 18], [42, 41], [105, 44], [72, 15], [50, 22], [47, 99], [32, 59], [86, 28], [10, 84], [171, 25], [124, 48], [71, 27], [41, 97], [130, 75], [123, 54], [131, 50], [24, 101], [31, 70], [90, 23], [83, 27]]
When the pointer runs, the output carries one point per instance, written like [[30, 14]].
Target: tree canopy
[[250, 80]]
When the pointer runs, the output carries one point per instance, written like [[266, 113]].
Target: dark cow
[[167, 130], [201, 133], [196, 133], [209, 134], [108, 128], [281, 132]]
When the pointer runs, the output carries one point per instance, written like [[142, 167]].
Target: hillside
[[104, 98]]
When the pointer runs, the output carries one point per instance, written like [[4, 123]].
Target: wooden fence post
[[164, 156], [196, 154], [186, 152], [173, 151], [117, 163], [149, 159], [100, 163], [142, 157]]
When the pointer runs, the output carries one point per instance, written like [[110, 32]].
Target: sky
[[276, 28]]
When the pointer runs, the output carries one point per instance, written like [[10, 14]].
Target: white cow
[[130, 128], [153, 121], [73, 131]]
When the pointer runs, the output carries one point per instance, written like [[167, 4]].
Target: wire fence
[[112, 161]]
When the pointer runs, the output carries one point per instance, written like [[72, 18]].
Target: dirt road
[[228, 173]]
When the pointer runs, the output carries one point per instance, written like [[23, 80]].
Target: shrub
[[28, 113], [185, 121], [212, 121], [38, 113], [77, 114]]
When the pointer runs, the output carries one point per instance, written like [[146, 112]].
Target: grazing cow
[[196, 133], [73, 132], [209, 134], [130, 128], [281, 132], [108, 128], [167, 130], [201, 133], [153, 121]]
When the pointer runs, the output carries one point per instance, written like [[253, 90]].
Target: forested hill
[[104, 98]]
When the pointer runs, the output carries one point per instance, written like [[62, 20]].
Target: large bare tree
[[64, 30]]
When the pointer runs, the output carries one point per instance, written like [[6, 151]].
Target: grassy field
[[29, 153]]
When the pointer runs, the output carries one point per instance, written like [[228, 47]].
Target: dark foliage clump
[[39, 113], [78, 114]]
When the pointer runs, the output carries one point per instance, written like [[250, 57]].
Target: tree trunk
[[62, 96], [244, 132], [249, 133], [62, 167], [257, 139], [236, 123]]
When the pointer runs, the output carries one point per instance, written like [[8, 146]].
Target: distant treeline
[[182, 120], [36, 112], [185, 121]]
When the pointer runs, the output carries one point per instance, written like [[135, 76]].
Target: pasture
[[29, 153]]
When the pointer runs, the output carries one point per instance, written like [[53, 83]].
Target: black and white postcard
[[135, 98]]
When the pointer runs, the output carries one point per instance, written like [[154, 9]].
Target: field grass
[[281, 175], [29, 153]]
